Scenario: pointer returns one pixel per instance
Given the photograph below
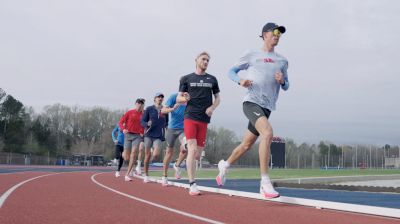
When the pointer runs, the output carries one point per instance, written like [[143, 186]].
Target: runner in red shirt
[[133, 130]]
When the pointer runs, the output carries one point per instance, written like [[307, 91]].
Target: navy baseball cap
[[271, 26], [159, 94], [140, 100]]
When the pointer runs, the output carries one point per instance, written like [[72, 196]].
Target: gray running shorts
[[253, 111], [132, 140], [151, 142], [172, 134]]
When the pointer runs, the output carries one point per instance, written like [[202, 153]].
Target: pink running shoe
[[193, 190], [268, 191], [221, 178]]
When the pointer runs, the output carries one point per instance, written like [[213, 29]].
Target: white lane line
[[4, 197], [319, 204], [155, 204]]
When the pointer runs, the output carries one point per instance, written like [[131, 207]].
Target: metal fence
[[25, 159]]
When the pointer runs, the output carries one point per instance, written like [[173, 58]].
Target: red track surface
[[75, 198]]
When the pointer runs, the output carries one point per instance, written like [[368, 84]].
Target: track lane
[[7, 180], [74, 198]]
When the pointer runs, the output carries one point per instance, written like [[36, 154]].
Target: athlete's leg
[[156, 149], [147, 154], [167, 159], [132, 159], [140, 153], [248, 140], [181, 157], [190, 160], [120, 159], [265, 129]]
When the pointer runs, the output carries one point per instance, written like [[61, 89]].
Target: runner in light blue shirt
[[266, 74], [174, 131]]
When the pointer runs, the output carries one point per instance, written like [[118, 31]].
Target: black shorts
[[253, 111], [119, 148]]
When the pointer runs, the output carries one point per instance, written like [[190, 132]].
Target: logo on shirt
[[200, 84], [266, 60], [257, 114]]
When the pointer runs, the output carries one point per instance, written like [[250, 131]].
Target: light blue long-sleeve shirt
[[117, 135], [261, 67]]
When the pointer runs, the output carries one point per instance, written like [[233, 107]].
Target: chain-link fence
[[25, 159]]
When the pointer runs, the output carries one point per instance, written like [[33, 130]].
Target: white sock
[[227, 164], [139, 162], [265, 178]]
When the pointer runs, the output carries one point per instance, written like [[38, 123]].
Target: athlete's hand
[[187, 96], [125, 131], [175, 106], [279, 77], [245, 82], [209, 111], [116, 142], [149, 123]]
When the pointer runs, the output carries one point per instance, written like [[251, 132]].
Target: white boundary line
[[318, 204], [155, 204], [335, 177], [5, 195]]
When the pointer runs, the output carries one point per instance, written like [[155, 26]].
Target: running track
[[95, 197]]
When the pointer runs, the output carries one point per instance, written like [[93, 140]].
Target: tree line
[[61, 131]]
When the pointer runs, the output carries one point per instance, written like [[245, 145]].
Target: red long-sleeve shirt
[[131, 122]]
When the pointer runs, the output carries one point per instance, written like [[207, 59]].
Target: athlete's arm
[[145, 118], [183, 97], [113, 134], [285, 85], [170, 105], [122, 123], [166, 109], [233, 75], [217, 100]]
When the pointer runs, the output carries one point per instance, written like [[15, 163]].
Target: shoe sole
[[194, 193], [269, 196]]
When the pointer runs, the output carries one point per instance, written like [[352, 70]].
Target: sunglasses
[[276, 32]]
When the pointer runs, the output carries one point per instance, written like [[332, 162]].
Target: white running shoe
[[221, 178], [267, 190], [146, 179], [164, 181], [128, 178], [117, 174], [138, 170], [178, 171], [193, 190]]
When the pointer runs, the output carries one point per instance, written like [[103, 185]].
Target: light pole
[[356, 158], [329, 152]]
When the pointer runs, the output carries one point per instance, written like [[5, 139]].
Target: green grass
[[254, 173]]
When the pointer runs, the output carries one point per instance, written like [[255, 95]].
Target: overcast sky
[[342, 58]]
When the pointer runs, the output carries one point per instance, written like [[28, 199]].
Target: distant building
[[277, 152], [392, 162]]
